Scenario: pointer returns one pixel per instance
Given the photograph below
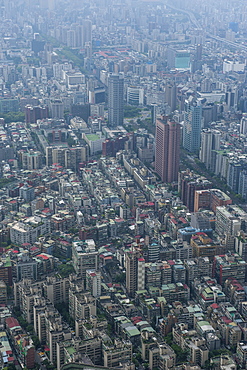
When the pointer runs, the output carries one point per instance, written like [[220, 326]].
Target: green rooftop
[[71, 350], [132, 332], [7, 262], [93, 137]]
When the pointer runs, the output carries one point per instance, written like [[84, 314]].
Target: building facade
[[167, 150], [115, 99]]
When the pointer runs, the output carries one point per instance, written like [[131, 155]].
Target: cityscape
[[123, 184]]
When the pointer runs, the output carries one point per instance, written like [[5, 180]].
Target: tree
[[131, 111], [13, 117], [30, 328], [4, 182], [65, 269], [36, 341], [168, 339], [63, 309], [71, 141], [120, 278], [10, 367], [219, 352], [181, 355]]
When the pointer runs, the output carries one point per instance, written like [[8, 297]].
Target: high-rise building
[[57, 108], [210, 140], [71, 39], [3, 292], [233, 175], [93, 282], [31, 160], [167, 149], [84, 257], [198, 54], [135, 272], [87, 31], [243, 124], [171, 96], [115, 99], [33, 113], [154, 109], [192, 125]]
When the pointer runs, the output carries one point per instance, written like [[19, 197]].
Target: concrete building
[[135, 95], [94, 142], [228, 220], [192, 125], [26, 268], [114, 355], [56, 290], [29, 230], [229, 266], [81, 305], [115, 99], [84, 257], [242, 354], [167, 150], [135, 272], [31, 160], [93, 282], [210, 141], [210, 199], [57, 109], [67, 157], [3, 293]]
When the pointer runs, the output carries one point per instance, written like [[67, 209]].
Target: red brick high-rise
[[167, 154]]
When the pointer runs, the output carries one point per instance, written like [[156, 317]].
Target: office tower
[[206, 85], [233, 175], [171, 96], [71, 39], [242, 185], [209, 114], [171, 53], [232, 96], [88, 49], [243, 124], [167, 149], [210, 141], [115, 99], [188, 183], [135, 272], [154, 109], [192, 124], [86, 31], [198, 54], [57, 108], [196, 63]]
